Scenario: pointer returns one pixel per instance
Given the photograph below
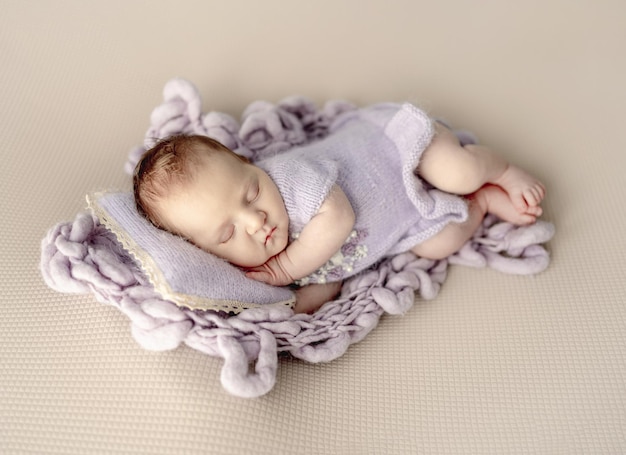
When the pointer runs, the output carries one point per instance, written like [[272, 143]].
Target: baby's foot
[[493, 199], [525, 191]]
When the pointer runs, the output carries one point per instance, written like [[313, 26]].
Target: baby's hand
[[272, 272]]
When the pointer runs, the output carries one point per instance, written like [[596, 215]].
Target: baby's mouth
[[269, 236]]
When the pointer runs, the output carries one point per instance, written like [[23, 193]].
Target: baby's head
[[194, 187]]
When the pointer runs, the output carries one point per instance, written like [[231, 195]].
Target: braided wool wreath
[[83, 256]]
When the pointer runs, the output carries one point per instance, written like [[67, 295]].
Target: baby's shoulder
[[303, 183]]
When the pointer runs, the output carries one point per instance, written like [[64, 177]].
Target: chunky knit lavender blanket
[[82, 256]]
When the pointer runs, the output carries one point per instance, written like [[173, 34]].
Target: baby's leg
[[489, 199], [456, 169]]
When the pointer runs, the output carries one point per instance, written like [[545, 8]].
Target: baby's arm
[[320, 239], [309, 298]]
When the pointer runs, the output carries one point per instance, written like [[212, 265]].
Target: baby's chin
[[281, 244]]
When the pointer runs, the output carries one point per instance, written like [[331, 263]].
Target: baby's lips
[[270, 235]]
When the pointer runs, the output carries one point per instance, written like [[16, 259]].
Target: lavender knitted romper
[[371, 154]]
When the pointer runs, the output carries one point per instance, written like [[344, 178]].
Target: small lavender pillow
[[179, 271]]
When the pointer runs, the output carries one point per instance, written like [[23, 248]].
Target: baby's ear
[[243, 158]]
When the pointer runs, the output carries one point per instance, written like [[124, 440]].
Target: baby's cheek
[[281, 243]]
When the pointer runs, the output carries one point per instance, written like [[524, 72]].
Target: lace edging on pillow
[[155, 276]]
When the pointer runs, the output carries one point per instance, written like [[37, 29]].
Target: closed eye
[[228, 234], [253, 192]]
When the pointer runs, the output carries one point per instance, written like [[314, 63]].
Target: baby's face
[[231, 209]]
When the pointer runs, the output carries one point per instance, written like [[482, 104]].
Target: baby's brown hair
[[171, 163]]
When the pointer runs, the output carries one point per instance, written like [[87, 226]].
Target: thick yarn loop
[[181, 112], [235, 376], [82, 256], [507, 248], [265, 128], [268, 129]]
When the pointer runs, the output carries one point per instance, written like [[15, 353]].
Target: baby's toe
[[542, 191], [533, 196], [519, 202], [535, 210], [526, 218]]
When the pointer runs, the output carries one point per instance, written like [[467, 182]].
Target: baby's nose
[[255, 220]]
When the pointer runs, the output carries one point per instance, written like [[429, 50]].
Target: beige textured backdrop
[[496, 364]]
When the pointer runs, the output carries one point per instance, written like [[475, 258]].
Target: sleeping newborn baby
[[387, 179]]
